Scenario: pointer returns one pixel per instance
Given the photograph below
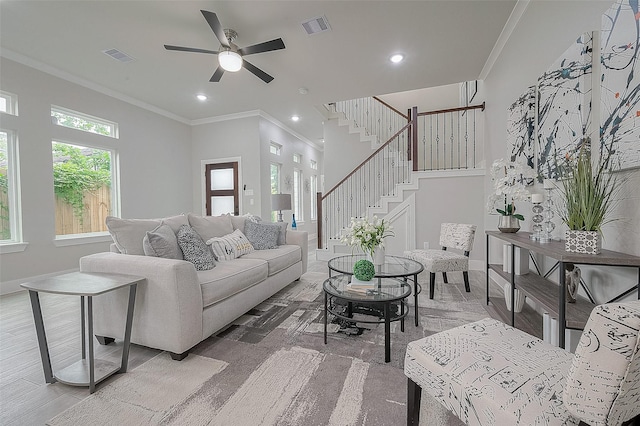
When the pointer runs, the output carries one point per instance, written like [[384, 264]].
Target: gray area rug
[[271, 367]]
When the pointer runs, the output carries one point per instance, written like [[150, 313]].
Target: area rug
[[271, 367]]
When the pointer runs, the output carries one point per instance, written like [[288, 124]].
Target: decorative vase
[[508, 224], [519, 299], [586, 242], [378, 255]]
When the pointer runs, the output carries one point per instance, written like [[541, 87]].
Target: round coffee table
[[393, 267], [383, 291]]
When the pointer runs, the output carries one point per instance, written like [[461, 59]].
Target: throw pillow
[[194, 249], [230, 246], [282, 237], [175, 222], [162, 242], [211, 226], [262, 235], [238, 221], [128, 234]]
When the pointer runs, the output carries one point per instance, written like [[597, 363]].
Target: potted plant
[[369, 236], [587, 202], [509, 183]]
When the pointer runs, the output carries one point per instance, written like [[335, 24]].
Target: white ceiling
[[444, 42]]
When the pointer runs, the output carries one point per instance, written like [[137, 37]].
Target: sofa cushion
[[175, 222], [278, 258], [229, 278], [162, 242], [194, 249], [230, 246], [211, 226], [239, 221], [262, 235], [128, 234]]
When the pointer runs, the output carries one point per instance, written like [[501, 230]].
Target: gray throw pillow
[[262, 236], [282, 237], [194, 249], [162, 242]]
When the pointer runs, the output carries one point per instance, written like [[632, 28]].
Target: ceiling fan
[[230, 57]]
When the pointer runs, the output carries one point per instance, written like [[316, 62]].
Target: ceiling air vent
[[316, 25], [118, 55]]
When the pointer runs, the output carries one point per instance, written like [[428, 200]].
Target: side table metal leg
[[415, 296], [387, 332], [42, 337], [83, 329], [127, 330], [92, 382], [402, 314], [325, 317], [562, 305]]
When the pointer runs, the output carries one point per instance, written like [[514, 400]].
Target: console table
[[545, 293]]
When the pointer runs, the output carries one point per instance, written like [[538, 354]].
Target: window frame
[[313, 164], [99, 236], [274, 214], [114, 132], [298, 197], [297, 158], [13, 194], [275, 147], [11, 102]]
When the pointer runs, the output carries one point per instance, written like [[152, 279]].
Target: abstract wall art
[[521, 128], [620, 85], [564, 107]]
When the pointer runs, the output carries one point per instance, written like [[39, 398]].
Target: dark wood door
[[221, 189]]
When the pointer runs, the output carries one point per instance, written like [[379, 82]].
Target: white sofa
[[178, 307]]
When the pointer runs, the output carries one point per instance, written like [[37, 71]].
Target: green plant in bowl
[[364, 270]]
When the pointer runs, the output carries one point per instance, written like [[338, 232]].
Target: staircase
[[402, 145]]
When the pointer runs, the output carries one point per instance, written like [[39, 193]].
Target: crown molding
[[507, 30], [30, 62], [290, 131]]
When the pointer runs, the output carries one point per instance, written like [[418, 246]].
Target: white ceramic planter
[[585, 242], [378, 256]]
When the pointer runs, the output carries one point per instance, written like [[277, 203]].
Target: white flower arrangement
[[509, 179], [367, 235]]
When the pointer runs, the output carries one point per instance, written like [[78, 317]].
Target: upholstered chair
[[489, 373], [452, 235]]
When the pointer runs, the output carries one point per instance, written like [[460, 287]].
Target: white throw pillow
[[230, 246]]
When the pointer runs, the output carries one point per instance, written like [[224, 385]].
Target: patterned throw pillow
[[262, 236], [230, 246], [194, 249]]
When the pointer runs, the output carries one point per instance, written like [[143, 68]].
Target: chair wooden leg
[[414, 393], [465, 275], [444, 277], [432, 284]]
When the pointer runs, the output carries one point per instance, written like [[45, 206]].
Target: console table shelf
[[546, 294], [528, 320]]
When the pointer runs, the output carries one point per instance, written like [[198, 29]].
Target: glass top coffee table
[[383, 291], [393, 267]]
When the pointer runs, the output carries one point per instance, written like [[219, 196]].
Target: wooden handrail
[[442, 111], [406, 117], [367, 159]]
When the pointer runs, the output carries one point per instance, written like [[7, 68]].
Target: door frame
[[203, 183]]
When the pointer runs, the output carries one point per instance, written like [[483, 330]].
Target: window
[[86, 123], [8, 103], [85, 188], [9, 202], [297, 158], [274, 148], [314, 197], [313, 165], [275, 186], [297, 195]]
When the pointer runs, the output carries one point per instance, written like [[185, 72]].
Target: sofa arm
[[168, 308], [300, 238]]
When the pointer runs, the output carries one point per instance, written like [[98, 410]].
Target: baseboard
[[13, 286]]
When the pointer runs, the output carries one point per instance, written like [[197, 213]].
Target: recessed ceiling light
[[295, 118], [396, 58], [201, 97]]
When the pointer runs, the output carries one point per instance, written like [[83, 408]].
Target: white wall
[[429, 99], [149, 146], [543, 33], [343, 151]]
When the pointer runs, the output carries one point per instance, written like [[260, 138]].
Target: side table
[[83, 372]]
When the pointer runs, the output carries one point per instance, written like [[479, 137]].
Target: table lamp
[[280, 202]]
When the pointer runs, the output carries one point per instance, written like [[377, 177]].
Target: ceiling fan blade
[[190, 49], [257, 71], [217, 75], [267, 46], [215, 25]]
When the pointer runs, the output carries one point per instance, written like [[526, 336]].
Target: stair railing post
[[414, 137], [319, 217]]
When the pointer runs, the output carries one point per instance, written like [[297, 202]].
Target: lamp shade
[[230, 61], [280, 202]]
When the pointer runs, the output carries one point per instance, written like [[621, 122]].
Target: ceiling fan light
[[230, 61]]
